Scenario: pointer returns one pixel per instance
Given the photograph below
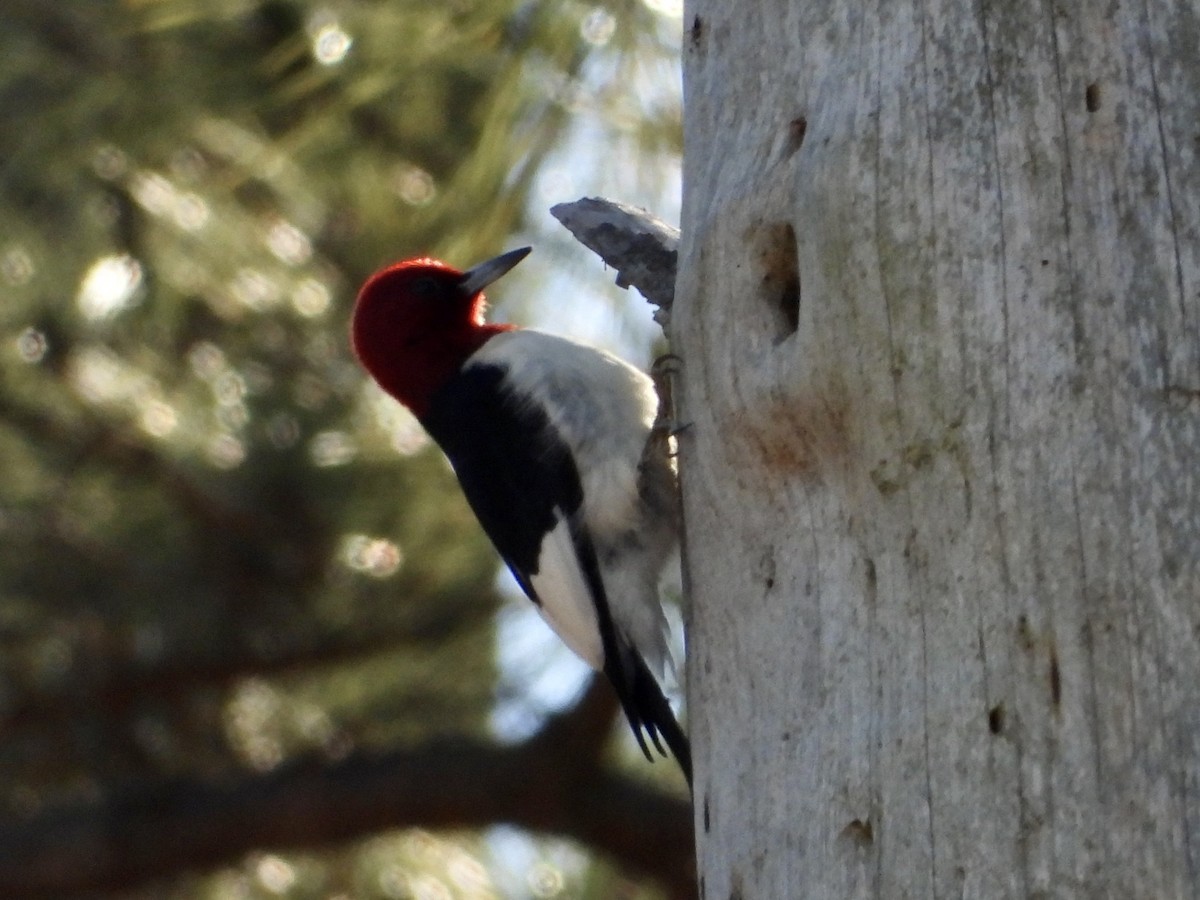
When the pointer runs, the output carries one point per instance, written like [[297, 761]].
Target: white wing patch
[[566, 603]]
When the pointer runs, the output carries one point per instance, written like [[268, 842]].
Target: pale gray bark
[[640, 246], [939, 313]]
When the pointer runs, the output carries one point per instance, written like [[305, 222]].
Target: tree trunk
[[938, 305]]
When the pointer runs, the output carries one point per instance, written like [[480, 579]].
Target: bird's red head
[[416, 322]]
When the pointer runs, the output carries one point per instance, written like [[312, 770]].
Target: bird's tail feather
[[648, 711]]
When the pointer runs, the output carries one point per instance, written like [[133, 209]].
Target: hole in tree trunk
[[797, 128], [779, 283]]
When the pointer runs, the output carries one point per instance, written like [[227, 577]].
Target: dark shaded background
[[247, 624]]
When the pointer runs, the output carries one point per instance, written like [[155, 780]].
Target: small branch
[[641, 247]]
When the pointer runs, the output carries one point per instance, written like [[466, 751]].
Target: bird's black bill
[[476, 279]]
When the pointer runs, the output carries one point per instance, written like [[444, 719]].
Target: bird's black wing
[[516, 472]]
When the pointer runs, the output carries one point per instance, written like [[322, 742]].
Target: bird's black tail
[[640, 695], [648, 710]]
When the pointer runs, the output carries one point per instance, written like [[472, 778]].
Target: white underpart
[[559, 577], [604, 409]]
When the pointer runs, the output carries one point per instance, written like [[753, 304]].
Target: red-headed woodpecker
[[552, 443]]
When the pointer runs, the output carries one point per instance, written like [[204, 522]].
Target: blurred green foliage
[[220, 548]]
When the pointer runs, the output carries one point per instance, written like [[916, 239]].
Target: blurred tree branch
[[555, 782]]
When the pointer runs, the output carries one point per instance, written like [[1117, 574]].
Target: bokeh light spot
[[377, 557], [288, 243], [206, 359], [100, 376], [311, 298], [275, 874], [109, 286], [16, 266], [251, 717], [158, 419], [109, 162], [414, 185], [332, 448], [190, 212], [598, 27], [32, 345], [153, 192], [255, 290], [330, 43], [225, 451]]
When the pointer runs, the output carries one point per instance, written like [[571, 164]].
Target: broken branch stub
[[641, 247]]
